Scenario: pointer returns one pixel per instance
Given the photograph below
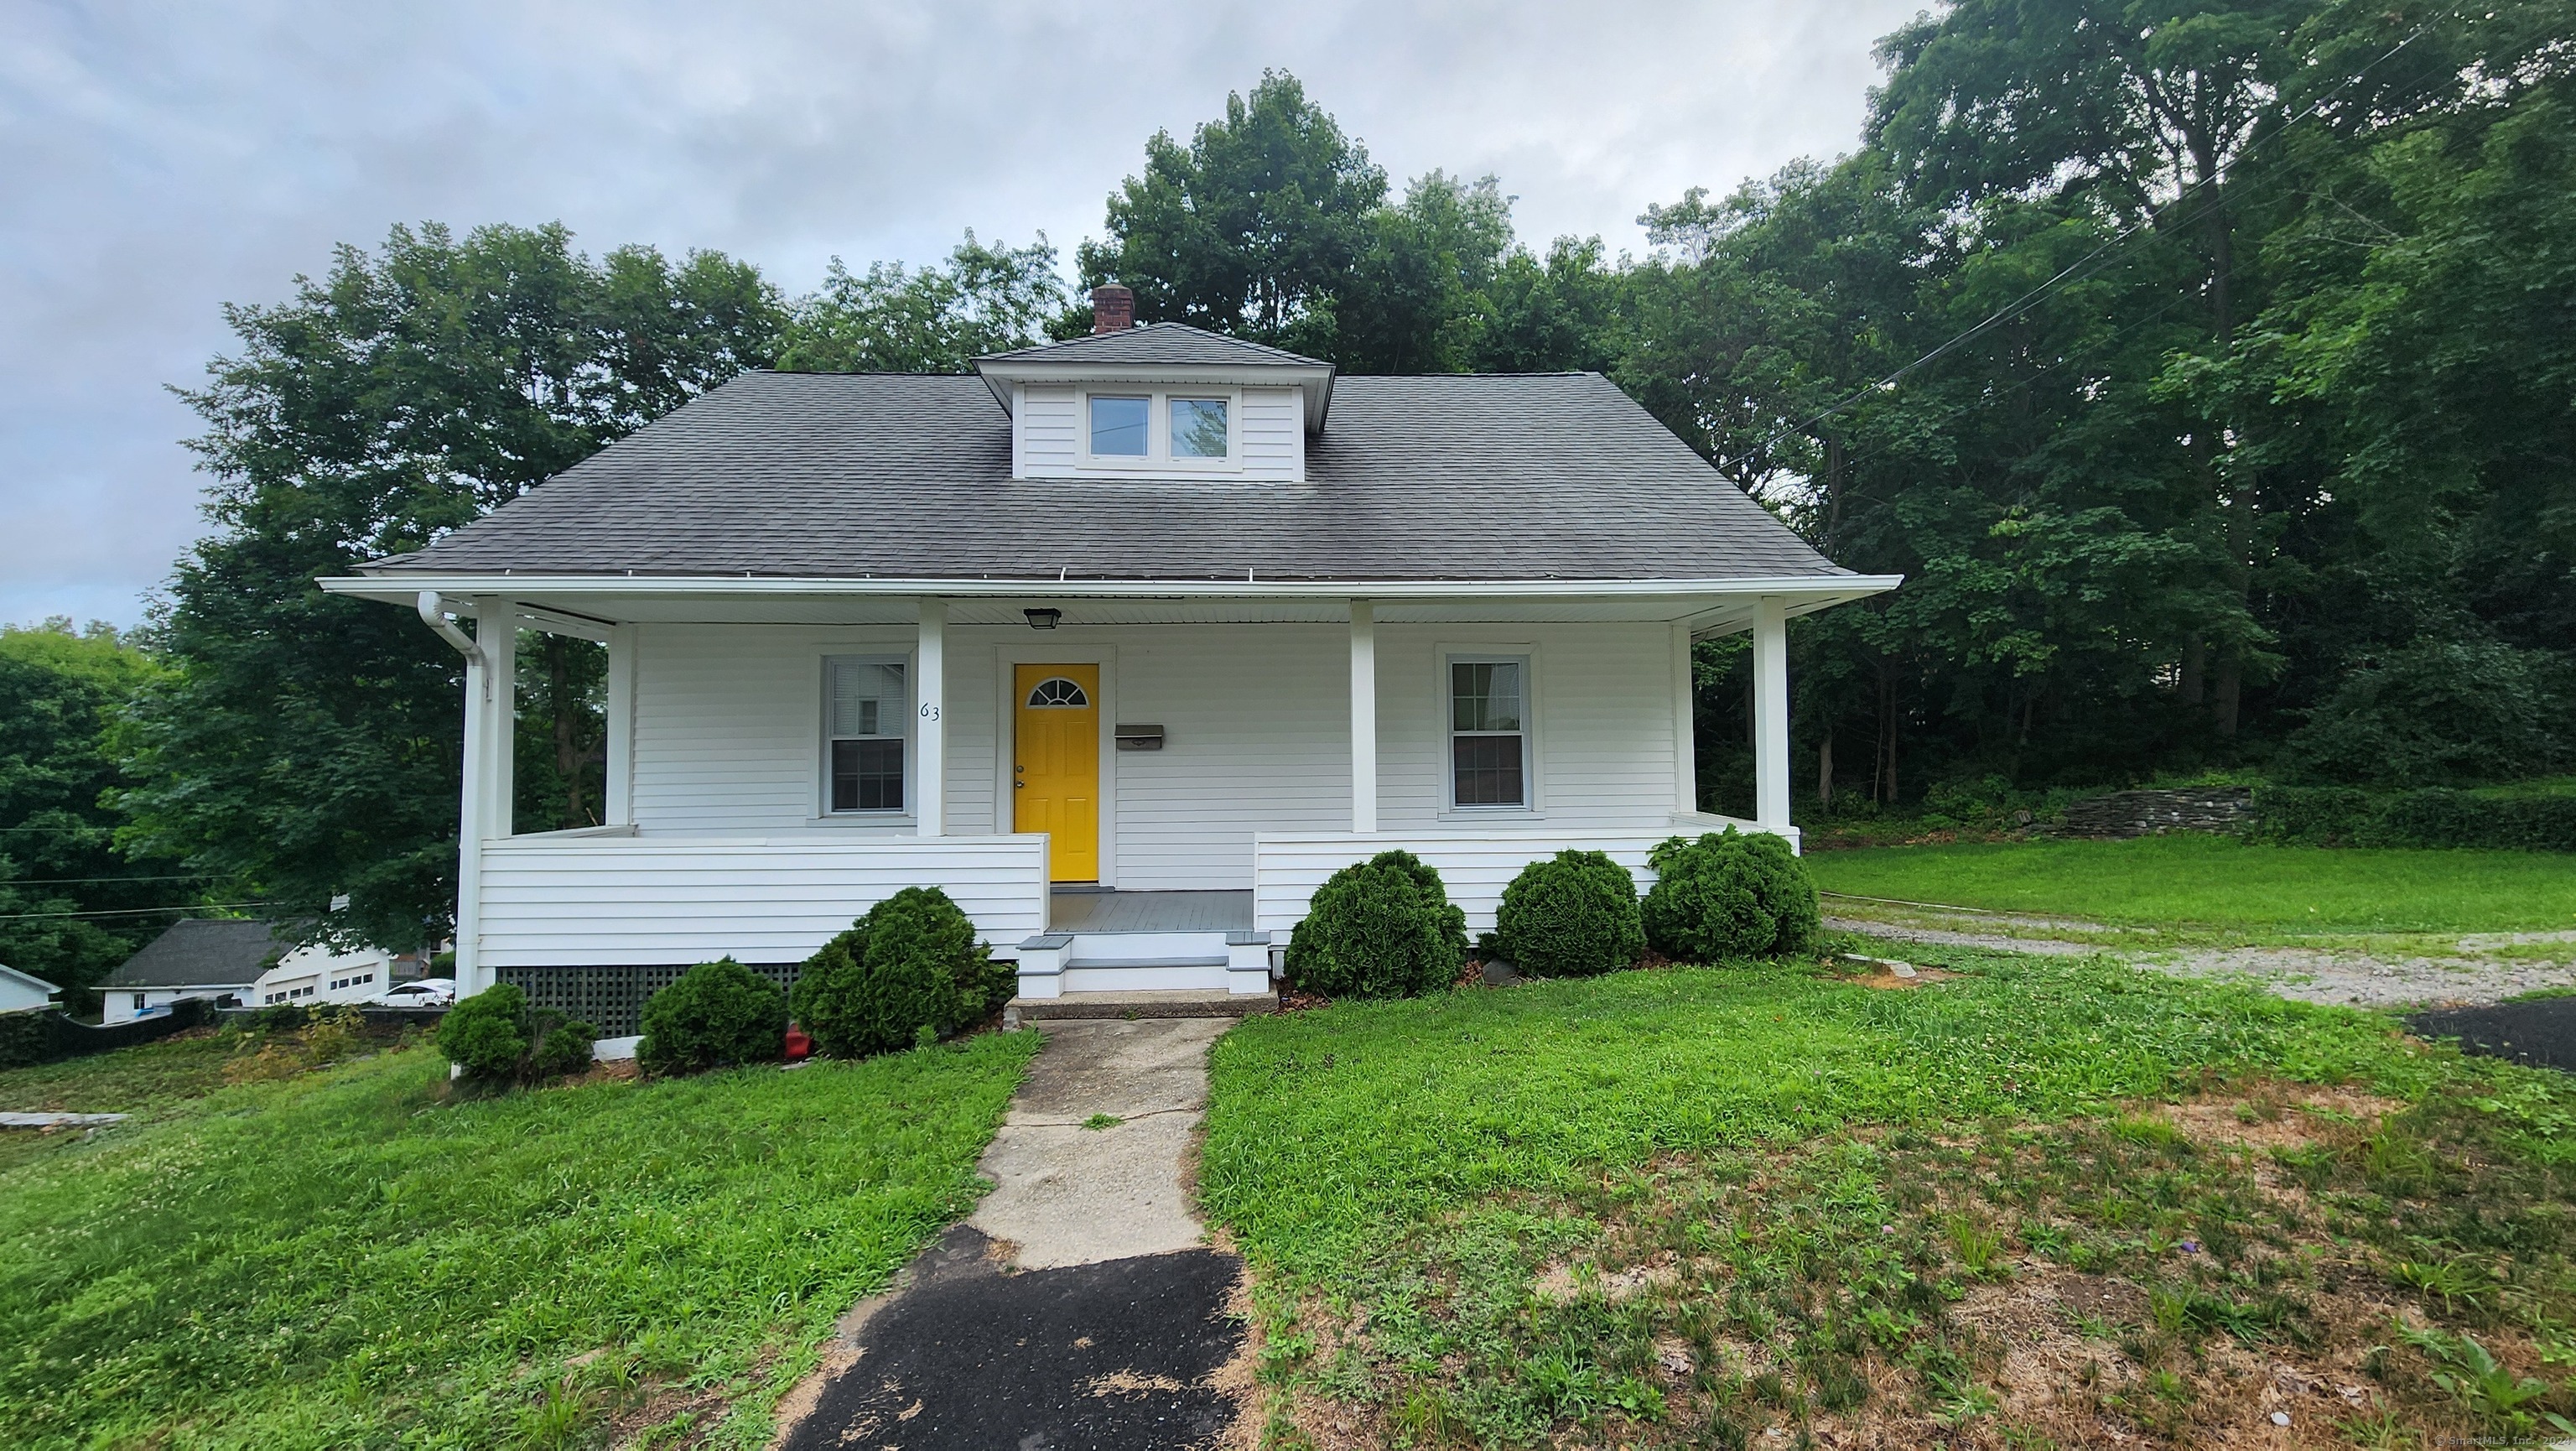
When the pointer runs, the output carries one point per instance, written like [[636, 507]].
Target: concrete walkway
[[1077, 1307], [1069, 1195]]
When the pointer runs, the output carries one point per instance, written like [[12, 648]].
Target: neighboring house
[[21, 991], [1127, 642], [248, 962]]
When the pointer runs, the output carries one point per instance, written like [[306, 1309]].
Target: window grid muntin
[[867, 720], [1057, 693]]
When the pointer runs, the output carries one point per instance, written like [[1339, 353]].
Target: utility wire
[[2072, 269], [131, 911]]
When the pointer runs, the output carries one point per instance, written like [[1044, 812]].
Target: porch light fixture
[[1043, 619]]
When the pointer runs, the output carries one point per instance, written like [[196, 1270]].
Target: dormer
[[1164, 401]]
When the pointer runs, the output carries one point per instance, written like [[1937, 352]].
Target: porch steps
[[1181, 1003], [1069, 964]]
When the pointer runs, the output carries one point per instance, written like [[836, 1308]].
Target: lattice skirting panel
[[611, 999]]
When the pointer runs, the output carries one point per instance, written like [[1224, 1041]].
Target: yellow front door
[[1055, 777]]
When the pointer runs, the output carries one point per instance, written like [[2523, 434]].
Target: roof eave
[[405, 586]]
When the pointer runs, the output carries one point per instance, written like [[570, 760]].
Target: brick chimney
[[1113, 309]]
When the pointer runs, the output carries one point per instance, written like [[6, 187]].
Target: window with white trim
[[1152, 429], [866, 719], [1489, 749]]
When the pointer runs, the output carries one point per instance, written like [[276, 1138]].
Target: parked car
[[427, 992]]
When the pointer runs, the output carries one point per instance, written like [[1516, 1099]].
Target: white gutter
[[387, 585]]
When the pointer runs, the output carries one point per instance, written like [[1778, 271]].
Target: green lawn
[[346, 1259], [2193, 880], [1676, 1207], [130, 1080]]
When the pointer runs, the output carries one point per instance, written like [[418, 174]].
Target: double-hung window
[[866, 713], [1489, 731]]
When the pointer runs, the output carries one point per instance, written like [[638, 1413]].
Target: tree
[[307, 746], [933, 319], [71, 906], [1249, 228]]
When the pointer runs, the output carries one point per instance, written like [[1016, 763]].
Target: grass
[[348, 1258], [1681, 1207], [2194, 880], [140, 1079]]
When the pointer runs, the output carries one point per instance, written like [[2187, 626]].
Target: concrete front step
[[1167, 1004]]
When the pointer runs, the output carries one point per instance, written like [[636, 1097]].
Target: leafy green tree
[[934, 319], [71, 905], [1250, 227], [306, 746]]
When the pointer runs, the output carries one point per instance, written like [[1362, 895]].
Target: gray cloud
[[156, 162]]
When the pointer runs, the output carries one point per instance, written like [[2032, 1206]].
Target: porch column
[[486, 802], [619, 809], [1363, 717], [930, 733], [1685, 723], [1771, 713]]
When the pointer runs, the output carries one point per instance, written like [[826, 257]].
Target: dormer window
[[1198, 428], [1177, 429], [1118, 425]]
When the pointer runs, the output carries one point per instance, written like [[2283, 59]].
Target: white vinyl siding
[[1273, 429], [1048, 430], [1257, 723], [674, 901]]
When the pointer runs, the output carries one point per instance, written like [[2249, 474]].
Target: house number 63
[[929, 711]]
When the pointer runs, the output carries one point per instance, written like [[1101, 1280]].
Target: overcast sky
[[156, 162]]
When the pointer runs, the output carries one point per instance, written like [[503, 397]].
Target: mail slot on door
[[1140, 738]]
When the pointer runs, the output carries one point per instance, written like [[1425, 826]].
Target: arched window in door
[[1057, 693]]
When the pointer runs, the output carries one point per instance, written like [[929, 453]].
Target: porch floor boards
[[1085, 909]]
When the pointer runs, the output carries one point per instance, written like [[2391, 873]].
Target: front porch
[[1288, 738]]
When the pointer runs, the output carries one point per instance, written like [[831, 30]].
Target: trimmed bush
[[1382, 928], [909, 971], [2350, 816], [1732, 895], [496, 1038], [1573, 915], [718, 1013]]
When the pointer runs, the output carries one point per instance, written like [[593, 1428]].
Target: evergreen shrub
[[1730, 895], [907, 972], [1572, 915], [496, 1038], [717, 1013], [1382, 928], [2350, 816]]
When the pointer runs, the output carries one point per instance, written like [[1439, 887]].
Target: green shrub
[[2440, 712], [718, 1013], [911, 968], [496, 1038], [1731, 895], [2350, 816], [1382, 928], [1573, 915]]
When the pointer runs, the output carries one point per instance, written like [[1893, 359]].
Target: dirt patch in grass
[[2269, 1265]]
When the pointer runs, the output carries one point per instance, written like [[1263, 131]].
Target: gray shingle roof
[[907, 476], [203, 952], [1158, 342]]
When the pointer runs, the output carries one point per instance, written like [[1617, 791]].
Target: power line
[[96, 881], [2069, 272], [130, 911]]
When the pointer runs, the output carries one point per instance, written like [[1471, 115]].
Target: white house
[[1126, 642], [250, 962], [20, 991]]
